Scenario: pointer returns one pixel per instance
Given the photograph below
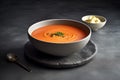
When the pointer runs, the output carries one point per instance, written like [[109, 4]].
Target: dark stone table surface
[[17, 15]]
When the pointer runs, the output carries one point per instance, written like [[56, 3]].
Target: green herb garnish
[[60, 34]]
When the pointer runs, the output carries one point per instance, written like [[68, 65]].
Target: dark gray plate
[[73, 60]]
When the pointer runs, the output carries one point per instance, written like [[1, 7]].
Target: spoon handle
[[23, 66]]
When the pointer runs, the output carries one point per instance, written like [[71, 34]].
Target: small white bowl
[[95, 26], [59, 49]]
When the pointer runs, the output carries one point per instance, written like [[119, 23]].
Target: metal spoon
[[13, 58]]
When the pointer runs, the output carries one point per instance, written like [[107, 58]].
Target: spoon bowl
[[11, 57]]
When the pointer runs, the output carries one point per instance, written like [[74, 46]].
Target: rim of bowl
[[105, 20], [89, 34]]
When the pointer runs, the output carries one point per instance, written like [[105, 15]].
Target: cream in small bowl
[[59, 37], [96, 22]]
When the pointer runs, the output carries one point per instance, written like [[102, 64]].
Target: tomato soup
[[58, 33]]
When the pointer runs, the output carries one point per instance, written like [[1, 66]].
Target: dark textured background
[[16, 16]]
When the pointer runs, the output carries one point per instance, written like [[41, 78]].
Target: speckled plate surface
[[73, 60]]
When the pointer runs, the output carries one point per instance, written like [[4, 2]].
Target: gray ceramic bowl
[[59, 49], [95, 26]]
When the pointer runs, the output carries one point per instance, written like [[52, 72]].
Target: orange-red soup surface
[[59, 33]]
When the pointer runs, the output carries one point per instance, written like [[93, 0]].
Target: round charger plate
[[74, 60]]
